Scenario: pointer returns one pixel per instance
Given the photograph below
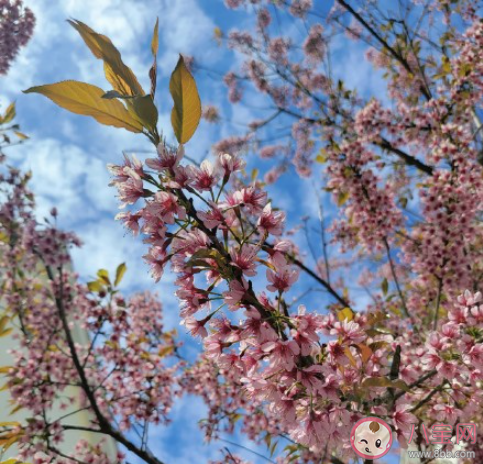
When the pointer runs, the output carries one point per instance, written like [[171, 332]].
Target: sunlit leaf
[[154, 50], [103, 275], [117, 73], [155, 39], [120, 271], [6, 332], [186, 113], [3, 322], [345, 314], [21, 135], [322, 157], [9, 114], [9, 424], [94, 286], [254, 174], [165, 351], [86, 99]]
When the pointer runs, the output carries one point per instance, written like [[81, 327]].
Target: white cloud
[[185, 29], [65, 176]]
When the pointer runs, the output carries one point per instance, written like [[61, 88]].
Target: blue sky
[[68, 153]]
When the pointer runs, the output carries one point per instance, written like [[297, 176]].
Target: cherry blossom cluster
[[406, 179], [215, 238], [128, 369], [16, 27]]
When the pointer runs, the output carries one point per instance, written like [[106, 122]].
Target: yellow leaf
[[146, 112], [154, 67], [5, 369], [365, 352], [155, 39], [165, 351], [378, 345], [3, 322], [10, 440], [322, 157], [345, 314], [103, 275], [352, 360], [342, 198], [94, 286], [9, 424], [266, 263], [86, 99], [16, 409], [186, 113], [5, 332], [384, 382], [117, 73], [218, 32], [9, 114], [120, 271], [21, 135]]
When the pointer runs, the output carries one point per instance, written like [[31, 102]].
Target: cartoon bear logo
[[371, 438]]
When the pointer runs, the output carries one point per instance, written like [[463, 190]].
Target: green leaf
[[385, 286], [384, 382], [186, 113], [117, 73], [273, 448], [86, 99], [111, 94], [254, 174], [342, 197], [146, 112], [155, 39], [120, 271]]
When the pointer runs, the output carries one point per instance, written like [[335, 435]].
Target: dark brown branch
[[416, 383], [408, 159], [321, 281], [383, 42], [105, 426]]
